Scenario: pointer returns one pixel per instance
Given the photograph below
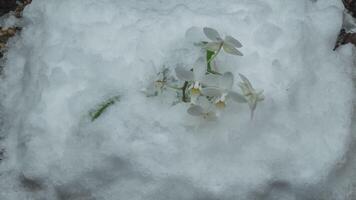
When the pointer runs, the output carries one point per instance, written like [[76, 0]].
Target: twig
[[184, 88]]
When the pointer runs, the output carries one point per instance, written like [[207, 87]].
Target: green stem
[[101, 108], [184, 88], [213, 72], [174, 87], [215, 53], [210, 56]]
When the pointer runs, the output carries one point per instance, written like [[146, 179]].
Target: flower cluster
[[206, 90]]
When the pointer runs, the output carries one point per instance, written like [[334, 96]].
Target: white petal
[[184, 74], [228, 48], [194, 34], [212, 46], [211, 116], [204, 103], [194, 99], [229, 39], [252, 102], [226, 81], [246, 81], [210, 80], [195, 110], [237, 97], [261, 97], [200, 44], [211, 92], [211, 33], [199, 68]]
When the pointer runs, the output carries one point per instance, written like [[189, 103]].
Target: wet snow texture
[[72, 54]]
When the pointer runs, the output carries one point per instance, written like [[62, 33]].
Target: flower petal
[[211, 92], [200, 44], [212, 46], [237, 97], [246, 82], [211, 33], [229, 39], [261, 97], [194, 34], [195, 110], [226, 81], [210, 116], [184, 74], [228, 48], [210, 80], [199, 68], [204, 103]]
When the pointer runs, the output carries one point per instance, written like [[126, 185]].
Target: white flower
[[252, 96], [203, 109], [229, 44], [223, 91], [196, 76]]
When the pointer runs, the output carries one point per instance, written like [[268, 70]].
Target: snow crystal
[[72, 55]]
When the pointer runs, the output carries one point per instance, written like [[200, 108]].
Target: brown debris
[[350, 5], [350, 38], [7, 6], [6, 33], [20, 7], [347, 37], [13, 5]]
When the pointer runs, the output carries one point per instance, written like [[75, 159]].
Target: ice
[[72, 55]]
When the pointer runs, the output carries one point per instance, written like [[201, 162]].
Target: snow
[[72, 55]]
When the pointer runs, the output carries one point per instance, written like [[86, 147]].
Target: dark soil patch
[[350, 5], [2, 154], [345, 37], [7, 6]]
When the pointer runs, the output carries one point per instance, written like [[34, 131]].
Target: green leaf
[[101, 108], [209, 55]]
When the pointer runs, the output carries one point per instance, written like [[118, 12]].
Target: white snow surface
[[73, 54]]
